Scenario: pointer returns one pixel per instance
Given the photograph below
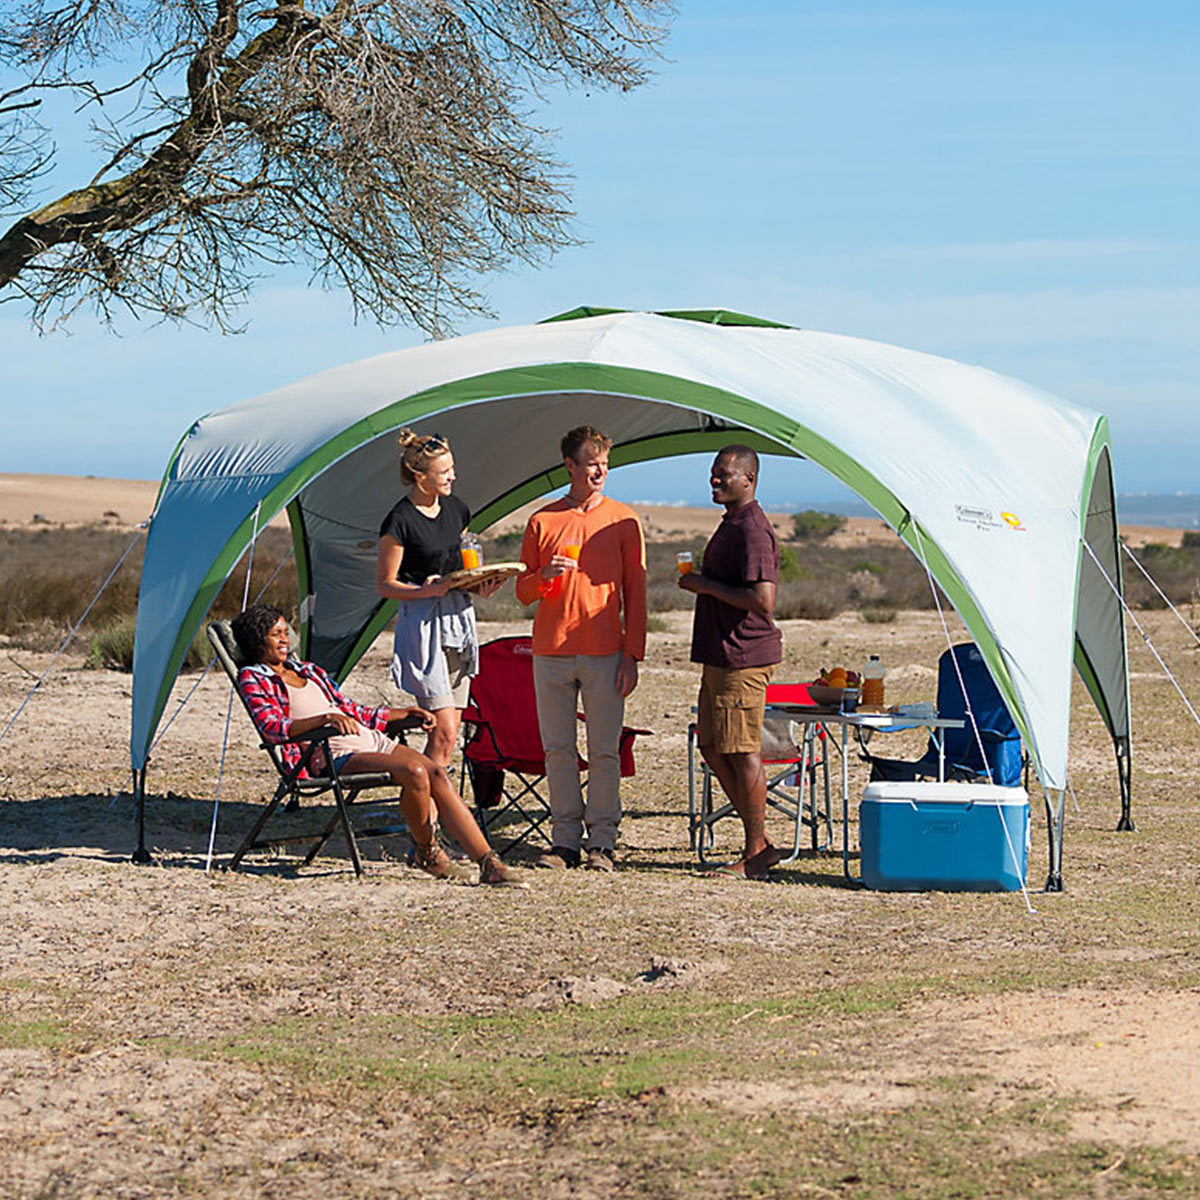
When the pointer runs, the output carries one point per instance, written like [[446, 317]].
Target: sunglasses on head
[[436, 442]]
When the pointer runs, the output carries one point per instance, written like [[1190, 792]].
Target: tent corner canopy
[[992, 483]]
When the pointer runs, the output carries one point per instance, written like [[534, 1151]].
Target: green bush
[[813, 524], [1191, 539], [112, 648], [789, 565]]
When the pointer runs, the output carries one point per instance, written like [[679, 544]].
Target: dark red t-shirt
[[743, 551]]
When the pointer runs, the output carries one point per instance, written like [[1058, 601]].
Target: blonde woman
[[436, 651]]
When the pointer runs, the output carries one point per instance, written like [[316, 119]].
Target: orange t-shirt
[[584, 617]]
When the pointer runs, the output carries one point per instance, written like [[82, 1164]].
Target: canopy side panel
[[1099, 620]]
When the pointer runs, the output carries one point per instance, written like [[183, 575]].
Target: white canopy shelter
[[992, 483]]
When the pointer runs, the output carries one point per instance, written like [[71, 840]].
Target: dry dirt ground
[[276, 1032]]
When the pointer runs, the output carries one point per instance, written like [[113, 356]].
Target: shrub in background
[[789, 565], [112, 649], [879, 616], [813, 524]]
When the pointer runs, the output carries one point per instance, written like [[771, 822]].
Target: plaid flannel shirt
[[266, 697]]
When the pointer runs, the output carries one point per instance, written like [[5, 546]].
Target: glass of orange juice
[[471, 557], [555, 585], [685, 562]]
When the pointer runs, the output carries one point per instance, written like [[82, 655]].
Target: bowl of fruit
[[836, 688]]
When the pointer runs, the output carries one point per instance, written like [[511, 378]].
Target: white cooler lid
[[945, 793]]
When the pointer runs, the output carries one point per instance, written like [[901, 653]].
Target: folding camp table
[[860, 721]]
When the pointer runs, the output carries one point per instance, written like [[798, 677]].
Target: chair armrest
[[321, 734]]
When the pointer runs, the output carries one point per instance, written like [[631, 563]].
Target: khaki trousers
[[561, 682]]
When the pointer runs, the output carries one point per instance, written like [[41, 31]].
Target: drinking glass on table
[[685, 562]]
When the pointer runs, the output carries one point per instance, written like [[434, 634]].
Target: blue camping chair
[[997, 730]]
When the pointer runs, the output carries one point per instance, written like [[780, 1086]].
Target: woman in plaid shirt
[[287, 697]]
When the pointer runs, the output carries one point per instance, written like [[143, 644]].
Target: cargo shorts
[[729, 712]]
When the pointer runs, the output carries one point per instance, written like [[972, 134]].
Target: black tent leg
[[1125, 774], [141, 854], [1055, 811]]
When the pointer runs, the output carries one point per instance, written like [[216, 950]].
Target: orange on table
[[837, 677]]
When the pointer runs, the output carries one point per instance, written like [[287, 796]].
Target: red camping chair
[[792, 791], [503, 751]]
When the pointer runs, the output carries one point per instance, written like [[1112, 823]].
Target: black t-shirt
[[431, 544]]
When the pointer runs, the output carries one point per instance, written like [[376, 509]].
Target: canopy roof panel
[[986, 478]]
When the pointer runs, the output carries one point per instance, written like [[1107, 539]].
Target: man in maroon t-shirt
[[739, 646]]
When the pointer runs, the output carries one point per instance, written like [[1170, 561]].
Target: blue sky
[[1012, 184]]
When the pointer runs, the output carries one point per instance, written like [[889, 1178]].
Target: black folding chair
[[297, 783]]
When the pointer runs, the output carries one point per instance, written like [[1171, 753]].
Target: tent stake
[[141, 854], [1055, 811]]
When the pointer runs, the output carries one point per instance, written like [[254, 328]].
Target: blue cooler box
[[947, 837]]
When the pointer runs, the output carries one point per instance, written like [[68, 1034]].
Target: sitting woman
[[288, 697]]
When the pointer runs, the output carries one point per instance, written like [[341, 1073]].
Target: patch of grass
[[565, 1056], [663, 1146], [40, 1034]]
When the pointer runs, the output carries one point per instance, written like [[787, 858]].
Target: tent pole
[[141, 854], [1055, 811], [1125, 774]]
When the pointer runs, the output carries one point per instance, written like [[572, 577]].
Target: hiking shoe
[[558, 858], [433, 860], [495, 873], [600, 859]]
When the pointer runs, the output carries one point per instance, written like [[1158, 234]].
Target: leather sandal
[[493, 872], [433, 860]]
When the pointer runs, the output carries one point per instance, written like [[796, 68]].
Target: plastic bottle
[[872, 684], [472, 555]]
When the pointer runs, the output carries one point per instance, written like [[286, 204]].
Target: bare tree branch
[[386, 144]]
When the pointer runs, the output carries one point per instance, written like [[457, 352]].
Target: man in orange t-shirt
[[585, 563]]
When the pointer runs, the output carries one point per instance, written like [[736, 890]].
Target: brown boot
[[433, 860], [495, 873]]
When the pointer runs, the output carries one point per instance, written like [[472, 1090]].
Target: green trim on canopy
[[706, 316], [1099, 444], [662, 445], [584, 310]]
